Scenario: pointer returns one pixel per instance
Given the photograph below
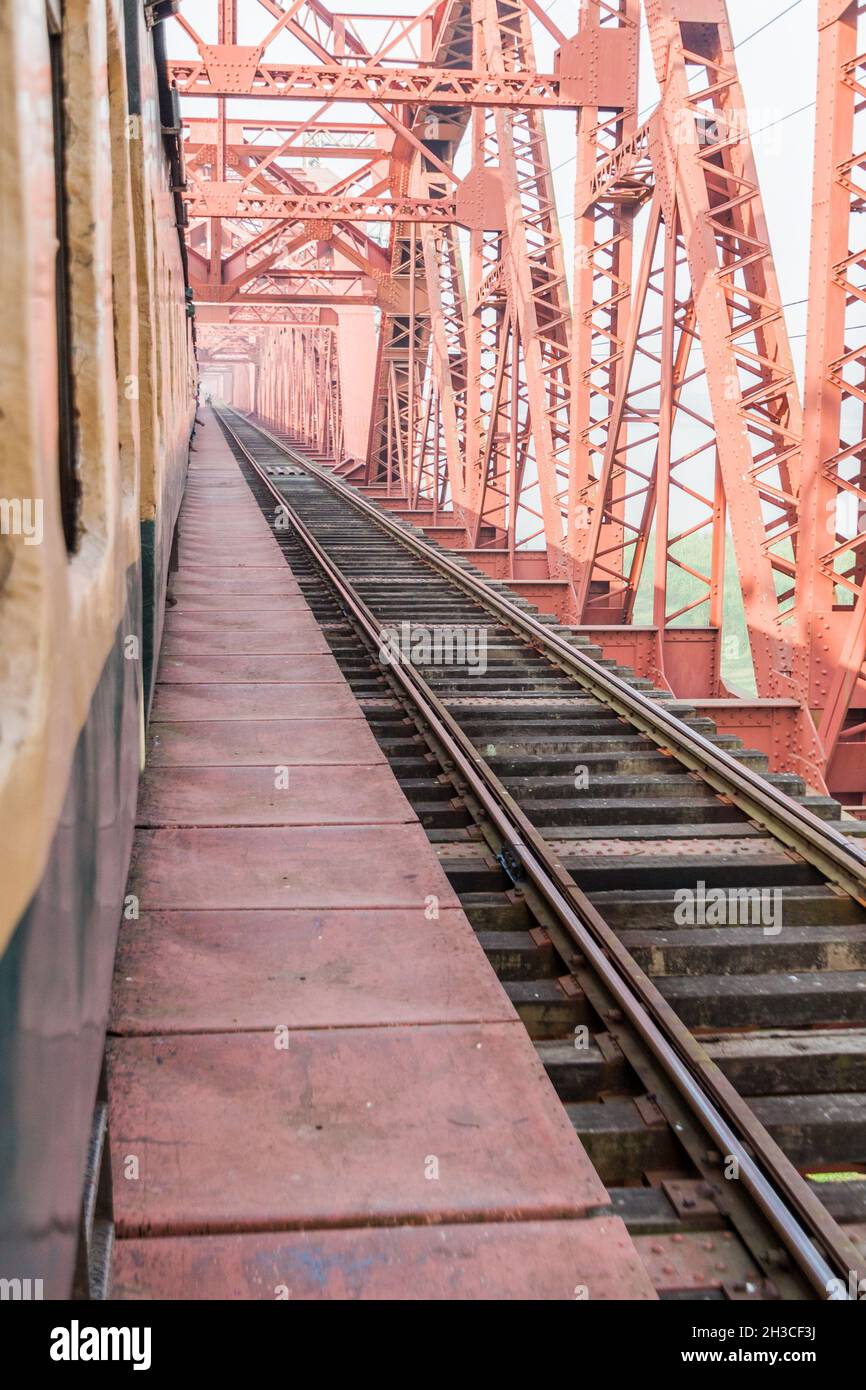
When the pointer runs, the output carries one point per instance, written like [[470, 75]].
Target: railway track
[[683, 934]]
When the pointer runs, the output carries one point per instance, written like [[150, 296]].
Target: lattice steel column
[[832, 559]]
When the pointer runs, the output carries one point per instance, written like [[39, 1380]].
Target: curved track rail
[[817, 1249]]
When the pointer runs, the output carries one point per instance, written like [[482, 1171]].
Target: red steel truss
[[831, 569], [378, 269]]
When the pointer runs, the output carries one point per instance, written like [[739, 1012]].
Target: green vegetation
[[683, 588]]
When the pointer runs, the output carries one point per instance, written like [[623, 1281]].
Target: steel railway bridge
[[572, 442], [437, 773]]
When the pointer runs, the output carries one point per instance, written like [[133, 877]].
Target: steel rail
[[681, 1056], [797, 827]]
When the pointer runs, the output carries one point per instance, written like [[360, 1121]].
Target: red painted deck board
[[199, 527], [184, 972], [301, 668], [565, 1261], [244, 566], [259, 700], [200, 634], [240, 603], [263, 742], [230, 584], [235, 1132], [229, 971], [247, 592], [282, 795], [205, 552], [264, 866]]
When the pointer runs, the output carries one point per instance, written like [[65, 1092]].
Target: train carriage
[[97, 392]]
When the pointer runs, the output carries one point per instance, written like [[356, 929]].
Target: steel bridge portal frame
[[583, 443]]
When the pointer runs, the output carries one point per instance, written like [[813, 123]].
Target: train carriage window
[[70, 485]]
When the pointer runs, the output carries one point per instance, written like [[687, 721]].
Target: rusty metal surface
[[318, 968], [287, 601], [254, 699], [301, 668], [698, 1263], [263, 743], [528, 1260], [212, 634], [336, 1128], [285, 867], [325, 794]]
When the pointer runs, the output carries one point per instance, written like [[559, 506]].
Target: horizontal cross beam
[[422, 86], [277, 299], [221, 200]]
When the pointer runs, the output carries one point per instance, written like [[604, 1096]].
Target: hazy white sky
[[777, 70]]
